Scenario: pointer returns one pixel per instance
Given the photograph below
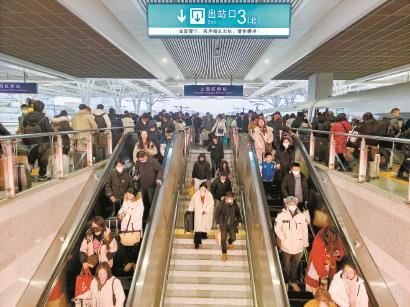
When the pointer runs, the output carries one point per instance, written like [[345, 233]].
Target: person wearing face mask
[[292, 237], [155, 137], [295, 184], [322, 299], [147, 172], [117, 185], [220, 187], [201, 172], [202, 204], [24, 112], [347, 288], [228, 219], [284, 157], [99, 245], [326, 250]]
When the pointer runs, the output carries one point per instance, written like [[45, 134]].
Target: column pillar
[[320, 86]]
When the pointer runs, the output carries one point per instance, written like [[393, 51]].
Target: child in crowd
[[268, 169]]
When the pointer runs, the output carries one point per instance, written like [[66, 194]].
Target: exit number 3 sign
[[202, 20]]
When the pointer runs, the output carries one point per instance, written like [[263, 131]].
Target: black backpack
[[35, 127], [99, 119]]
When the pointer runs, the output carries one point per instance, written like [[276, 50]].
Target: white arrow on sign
[[181, 16]]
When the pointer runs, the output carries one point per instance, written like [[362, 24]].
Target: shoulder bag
[[130, 238]]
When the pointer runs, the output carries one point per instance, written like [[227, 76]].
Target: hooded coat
[[203, 212]]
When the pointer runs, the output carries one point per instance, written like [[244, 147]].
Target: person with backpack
[[228, 219], [291, 230], [82, 120], [268, 169], [61, 122], [217, 154], [101, 117], [394, 123], [33, 123], [116, 122]]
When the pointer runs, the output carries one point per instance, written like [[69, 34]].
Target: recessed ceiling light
[[164, 60], [266, 61]]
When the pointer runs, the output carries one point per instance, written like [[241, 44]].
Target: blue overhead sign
[[18, 88], [213, 90], [208, 20]]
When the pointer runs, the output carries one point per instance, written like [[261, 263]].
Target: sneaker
[[295, 287], [129, 267], [43, 178], [224, 257], [231, 247]]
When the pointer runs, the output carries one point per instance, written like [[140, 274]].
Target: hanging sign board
[[210, 20], [213, 90], [18, 88]]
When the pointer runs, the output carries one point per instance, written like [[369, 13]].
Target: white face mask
[[229, 201], [296, 173], [286, 145], [292, 208], [120, 169]]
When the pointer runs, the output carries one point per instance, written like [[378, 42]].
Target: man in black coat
[[217, 154], [295, 184], [201, 172], [148, 172], [117, 185], [197, 125], [220, 186], [37, 122], [228, 219]]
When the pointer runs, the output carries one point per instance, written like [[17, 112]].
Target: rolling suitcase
[[114, 225]]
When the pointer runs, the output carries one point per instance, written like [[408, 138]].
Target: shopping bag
[[218, 237], [83, 283]]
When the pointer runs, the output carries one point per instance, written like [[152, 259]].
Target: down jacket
[[106, 251], [133, 212], [341, 140], [338, 293], [292, 231]]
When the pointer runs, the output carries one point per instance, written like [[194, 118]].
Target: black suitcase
[[189, 221]]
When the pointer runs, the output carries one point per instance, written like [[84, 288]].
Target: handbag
[[83, 282], [218, 237], [321, 219], [130, 238]]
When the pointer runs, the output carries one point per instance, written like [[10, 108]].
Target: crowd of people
[[130, 190]]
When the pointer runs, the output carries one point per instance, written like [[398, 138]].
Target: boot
[[196, 245], [224, 257], [231, 247]]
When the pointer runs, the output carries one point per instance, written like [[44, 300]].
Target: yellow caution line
[[180, 233], [392, 176]]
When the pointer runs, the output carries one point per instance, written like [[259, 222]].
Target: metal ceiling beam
[[269, 86], [158, 86]]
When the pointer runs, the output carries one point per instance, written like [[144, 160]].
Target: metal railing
[[54, 152], [269, 286], [363, 148], [151, 268]]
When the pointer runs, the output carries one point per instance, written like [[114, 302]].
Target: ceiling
[[46, 33], [377, 42], [194, 56]]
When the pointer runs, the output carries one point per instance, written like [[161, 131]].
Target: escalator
[[323, 198], [54, 280]]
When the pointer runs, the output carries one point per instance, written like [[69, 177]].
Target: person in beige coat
[[202, 204], [83, 120], [144, 144], [263, 137]]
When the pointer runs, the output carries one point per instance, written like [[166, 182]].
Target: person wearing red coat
[[327, 249], [341, 126]]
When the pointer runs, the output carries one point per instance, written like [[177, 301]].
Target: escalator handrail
[[149, 228], [66, 240], [282, 297], [357, 243]]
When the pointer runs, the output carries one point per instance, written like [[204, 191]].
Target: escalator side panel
[[62, 255]]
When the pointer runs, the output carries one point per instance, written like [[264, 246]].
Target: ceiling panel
[[377, 42], [46, 33], [194, 56]]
